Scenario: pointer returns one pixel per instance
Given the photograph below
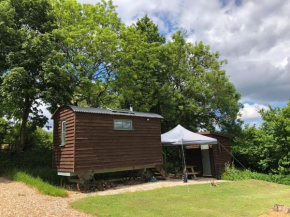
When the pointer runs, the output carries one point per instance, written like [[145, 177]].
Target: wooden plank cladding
[[92, 142], [63, 156], [218, 155], [116, 148]]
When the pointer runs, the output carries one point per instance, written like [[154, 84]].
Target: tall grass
[[42, 187], [32, 168], [232, 173]]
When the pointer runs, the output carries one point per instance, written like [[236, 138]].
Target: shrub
[[34, 165], [232, 173]]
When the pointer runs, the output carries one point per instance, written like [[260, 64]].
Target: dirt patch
[[274, 214]]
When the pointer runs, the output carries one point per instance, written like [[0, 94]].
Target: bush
[[266, 148], [3, 129], [28, 167], [34, 165], [231, 173]]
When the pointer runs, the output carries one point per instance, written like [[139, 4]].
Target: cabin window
[[63, 133], [122, 124]]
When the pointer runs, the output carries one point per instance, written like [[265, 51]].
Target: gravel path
[[17, 199], [154, 185]]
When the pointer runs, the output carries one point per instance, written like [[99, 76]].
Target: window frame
[[63, 133], [123, 120]]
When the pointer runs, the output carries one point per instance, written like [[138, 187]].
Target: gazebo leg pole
[[184, 165]]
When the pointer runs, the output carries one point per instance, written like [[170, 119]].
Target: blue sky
[[254, 36]]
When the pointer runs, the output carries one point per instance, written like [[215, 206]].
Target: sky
[[253, 35]]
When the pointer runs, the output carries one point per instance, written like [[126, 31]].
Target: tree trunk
[[23, 131]]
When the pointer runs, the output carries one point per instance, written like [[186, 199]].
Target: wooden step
[[161, 171]]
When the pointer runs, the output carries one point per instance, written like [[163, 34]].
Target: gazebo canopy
[[181, 136]]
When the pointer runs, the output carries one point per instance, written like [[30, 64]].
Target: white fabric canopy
[[181, 136]]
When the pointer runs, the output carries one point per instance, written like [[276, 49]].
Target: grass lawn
[[239, 198]]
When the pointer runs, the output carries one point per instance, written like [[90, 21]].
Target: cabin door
[[205, 160]]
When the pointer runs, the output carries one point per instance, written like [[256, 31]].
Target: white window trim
[[63, 133]]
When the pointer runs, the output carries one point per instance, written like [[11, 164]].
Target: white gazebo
[[179, 136]]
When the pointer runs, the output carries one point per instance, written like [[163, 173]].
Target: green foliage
[[201, 94], [32, 68], [90, 41], [40, 139], [35, 161], [139, 71], [240, 198], [3, 129], [33, 167], [37, 138], [234, 174], [38, 183], [30, 163], [150, 30], [231, 173], [267, 148], [183, 82], [173, 158]]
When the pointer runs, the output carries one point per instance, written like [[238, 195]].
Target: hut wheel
[[86, 183], [126, 177], [146, 176], [61, 184]]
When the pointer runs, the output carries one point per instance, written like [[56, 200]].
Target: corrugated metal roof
[[113, 112]]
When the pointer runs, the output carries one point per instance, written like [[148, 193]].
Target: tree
[[267, 148], [150, 30], [90, 42], [202, 96], [32, 69], [139, 70], [183, 82]]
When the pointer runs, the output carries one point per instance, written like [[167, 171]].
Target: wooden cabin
[[104, 140], [210, 160]]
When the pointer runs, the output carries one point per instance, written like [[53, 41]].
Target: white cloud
[[261, 81], [251, 112]]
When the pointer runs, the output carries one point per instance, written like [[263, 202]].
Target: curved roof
[[111, 112]]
